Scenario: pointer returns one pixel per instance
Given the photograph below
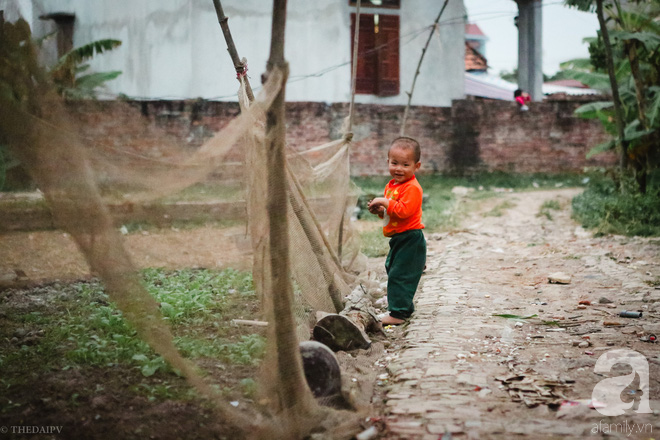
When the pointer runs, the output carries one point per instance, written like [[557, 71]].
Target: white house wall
[[174, 49]]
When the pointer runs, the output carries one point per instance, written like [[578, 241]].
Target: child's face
[[402, 163]]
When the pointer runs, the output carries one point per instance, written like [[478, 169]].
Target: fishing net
[[81, 172], [321, 198]]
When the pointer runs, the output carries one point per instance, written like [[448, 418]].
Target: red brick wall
[[547, 138], [469, 136]]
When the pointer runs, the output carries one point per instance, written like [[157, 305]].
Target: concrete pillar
[[530, 48]]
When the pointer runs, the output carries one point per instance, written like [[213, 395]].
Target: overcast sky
[[563, 31]]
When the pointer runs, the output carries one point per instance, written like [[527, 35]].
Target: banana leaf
[[601, 148]]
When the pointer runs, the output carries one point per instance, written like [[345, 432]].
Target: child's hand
[[377, 209], [378, 206]]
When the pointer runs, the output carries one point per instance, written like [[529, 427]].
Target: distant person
[[401, 209], [522, 98]]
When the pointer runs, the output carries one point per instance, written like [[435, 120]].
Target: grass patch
[[442, 211], [603, 208], [374, 244], [205, 191], [547, 207], [77, 327], [498, 210], [654, 283]]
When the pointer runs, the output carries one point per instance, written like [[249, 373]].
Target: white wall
[[174, 49], [15, 9]]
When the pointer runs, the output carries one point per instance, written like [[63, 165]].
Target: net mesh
[[80, 173]]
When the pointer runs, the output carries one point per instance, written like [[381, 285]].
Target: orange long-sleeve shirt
[[405, 209]]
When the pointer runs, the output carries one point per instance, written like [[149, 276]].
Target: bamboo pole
[[351, 111], [412, 88], [294, 395], [239, 64], [335, 294], [356, 39], [310, 228]]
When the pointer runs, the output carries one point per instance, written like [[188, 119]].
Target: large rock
[[321, 369], [559, 278]]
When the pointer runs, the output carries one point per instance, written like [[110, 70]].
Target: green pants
[[404, 265]]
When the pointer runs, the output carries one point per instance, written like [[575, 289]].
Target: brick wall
[[470, 136], [547, 138]]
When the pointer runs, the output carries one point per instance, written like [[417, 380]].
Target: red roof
[[473, 29], [474, 60]]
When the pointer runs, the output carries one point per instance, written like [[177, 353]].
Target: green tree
[[628, 50], [70, 78], [513, 76], [69, 75]]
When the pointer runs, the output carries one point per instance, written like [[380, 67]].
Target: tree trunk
[[618, 111], [641, 156]]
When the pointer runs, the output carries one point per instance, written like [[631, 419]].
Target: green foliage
[[18, 74], [604, 208], [3, 165], [442, 210], [510, 76], [248, 350], [498, 210], [188, 296], [7, 162], [91, 331], [595, 80], [19, 71], [649, 40], [373, 244], [21, 75], [148, 367], [513, 76], [582, 5], [68, 75], [547, 207], [635, 38], [249, 387], [514, 317], [83, 53]]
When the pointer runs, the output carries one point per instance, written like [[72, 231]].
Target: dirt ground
[[499, 260], [43, 256]]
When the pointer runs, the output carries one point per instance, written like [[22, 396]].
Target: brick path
[[443, 365]]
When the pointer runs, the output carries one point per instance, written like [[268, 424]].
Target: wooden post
[[294, 395], [239, 64], [412, 88]]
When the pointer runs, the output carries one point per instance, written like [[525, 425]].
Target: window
[[377, 3], [64, 23], [378, 54]]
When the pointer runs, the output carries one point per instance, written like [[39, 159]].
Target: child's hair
[[409, 144], [517, 93]]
